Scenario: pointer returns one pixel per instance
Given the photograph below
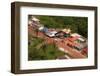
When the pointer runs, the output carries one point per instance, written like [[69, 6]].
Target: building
[[62, 34], [51, 33], [76, 41], [34, 22]]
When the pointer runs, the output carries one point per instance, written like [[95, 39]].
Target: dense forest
[[76, 24]]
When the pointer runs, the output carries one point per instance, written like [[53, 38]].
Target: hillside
[[76, 24]]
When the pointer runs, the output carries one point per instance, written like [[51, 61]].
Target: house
[[72, 39], [75, 41], [67, 30], [41, 28], [35, 19], [51, 33], [34, 22], [75, 35], [62, 34], [85, 51]]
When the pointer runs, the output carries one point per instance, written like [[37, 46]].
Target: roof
[[85, 49], [73, 38], [29, 22], [81, 39], [66, 30], [41, 28], [75, 34], [51, 33], [35, 19]]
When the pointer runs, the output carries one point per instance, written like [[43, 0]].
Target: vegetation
[[76, 24], [46, 51], [50, 51]]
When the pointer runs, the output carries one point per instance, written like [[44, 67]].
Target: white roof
[[75, 34], [81, 39], [61, 49], [66, 30], [35, 19], [29, 22], [41, 28], [52, 33]]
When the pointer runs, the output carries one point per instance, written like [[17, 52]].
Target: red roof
[[85, 49], [73, 38]]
